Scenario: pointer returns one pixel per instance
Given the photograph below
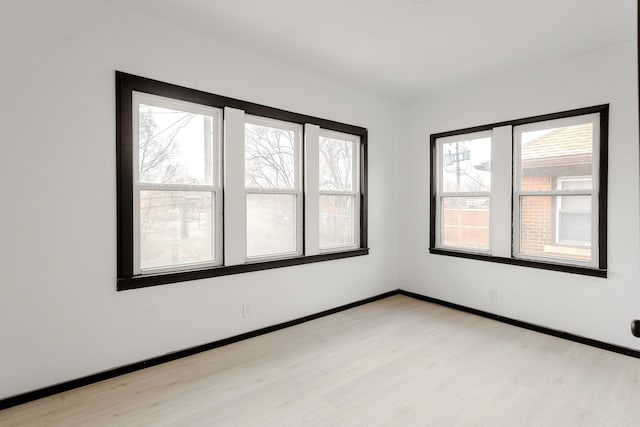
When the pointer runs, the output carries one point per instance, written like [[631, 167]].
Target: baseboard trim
[[115, 372], [112, 373], [548, 331]]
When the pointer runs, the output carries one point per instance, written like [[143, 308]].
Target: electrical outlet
[[493, 295], [245, 311]]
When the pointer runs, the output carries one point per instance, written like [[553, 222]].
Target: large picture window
[[530, 191], [210, 185]]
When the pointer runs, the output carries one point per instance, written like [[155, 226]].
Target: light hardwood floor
[[395, 362]]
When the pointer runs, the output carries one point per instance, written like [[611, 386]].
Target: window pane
[[580, 183], [175, 147], [549, 154], [336, 164], [466, 165], [337, 221], [176, 227], [575, 203], [574, 227], [548, 228], [465, 222], [270, 157], [271, 224]]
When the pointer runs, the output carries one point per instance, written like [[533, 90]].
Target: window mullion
[[235, 209], [311, 187], [501, 179]]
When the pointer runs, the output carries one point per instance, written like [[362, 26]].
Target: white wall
[[592, 307], [60, 315]]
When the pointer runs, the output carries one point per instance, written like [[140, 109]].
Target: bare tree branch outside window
[[172, 216], [269, 157], [157, 147], [336, 164]]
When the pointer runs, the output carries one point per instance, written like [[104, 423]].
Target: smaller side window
[[464, 192], [529, 192], [339, 190], [273, 188]]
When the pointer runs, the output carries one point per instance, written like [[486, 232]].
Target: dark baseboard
[[91, 379], [553, 332], [111, 373]]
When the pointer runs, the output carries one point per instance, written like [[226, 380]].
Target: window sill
[[565, 268], [143, 281]]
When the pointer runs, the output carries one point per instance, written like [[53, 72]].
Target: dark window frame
[[601, 270], [126, 84]]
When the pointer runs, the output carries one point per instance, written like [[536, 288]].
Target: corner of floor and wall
[[62, 317], [597, 308]]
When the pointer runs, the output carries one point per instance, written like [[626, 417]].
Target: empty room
[[326, 213]]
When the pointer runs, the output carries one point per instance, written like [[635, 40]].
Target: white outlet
[[493, 295], [245, 311]]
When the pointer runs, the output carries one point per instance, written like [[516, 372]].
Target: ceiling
[[407, 48]]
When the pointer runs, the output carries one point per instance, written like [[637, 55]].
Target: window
[[273, 186], [338, 190], [177, 197], [464, 191], [530, 192], [210, 186], [555, 195]]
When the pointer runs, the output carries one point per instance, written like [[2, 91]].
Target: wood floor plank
[[394, 362]]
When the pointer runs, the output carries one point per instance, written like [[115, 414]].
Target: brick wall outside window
[[537, 215]]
